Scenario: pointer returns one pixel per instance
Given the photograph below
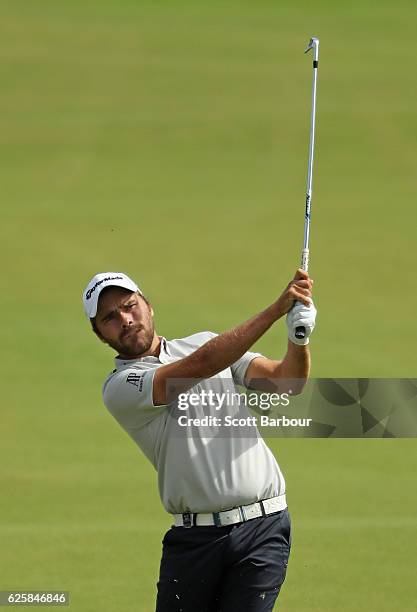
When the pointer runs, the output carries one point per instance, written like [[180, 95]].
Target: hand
[[301, 316], [298, 289]]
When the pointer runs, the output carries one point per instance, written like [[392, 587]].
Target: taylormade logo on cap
[[108, 278], [100, 282]]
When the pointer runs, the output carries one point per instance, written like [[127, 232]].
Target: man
[[229, 547]]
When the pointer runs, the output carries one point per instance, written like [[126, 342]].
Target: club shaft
[[309, 190], [314, 45]]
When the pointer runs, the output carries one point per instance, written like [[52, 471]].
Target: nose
[[125, 319]]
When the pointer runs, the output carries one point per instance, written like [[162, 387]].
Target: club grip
[[300, 332]]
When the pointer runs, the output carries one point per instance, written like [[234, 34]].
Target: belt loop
[[186, 519], [261, 503], [194, 515], [216, 519]]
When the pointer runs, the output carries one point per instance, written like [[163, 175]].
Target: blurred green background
[[169, 140]]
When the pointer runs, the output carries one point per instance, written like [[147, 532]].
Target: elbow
[[290, 386], [298, 386], [293, 386]]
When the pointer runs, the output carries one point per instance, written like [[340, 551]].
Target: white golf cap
[[100, 282]]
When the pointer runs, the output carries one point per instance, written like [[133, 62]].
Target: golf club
[[314, 45]]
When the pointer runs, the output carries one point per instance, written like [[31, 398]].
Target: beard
[[135, 341]]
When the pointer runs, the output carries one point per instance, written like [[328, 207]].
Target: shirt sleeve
[[128, 395], [241, 365]]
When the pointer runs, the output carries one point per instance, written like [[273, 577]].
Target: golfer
[[229, 545]]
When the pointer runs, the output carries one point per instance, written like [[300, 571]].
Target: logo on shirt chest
[[136, 380]]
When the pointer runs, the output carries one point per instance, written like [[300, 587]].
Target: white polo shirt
[[198, 470]]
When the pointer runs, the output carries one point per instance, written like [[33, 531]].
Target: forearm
[[223, 350], [211, 358], [296, 363], [294, 369], [291, 372]]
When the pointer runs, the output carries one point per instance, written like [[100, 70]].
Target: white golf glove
[[301, 316]]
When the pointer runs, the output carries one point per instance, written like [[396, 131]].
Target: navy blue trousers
[[238, 568]]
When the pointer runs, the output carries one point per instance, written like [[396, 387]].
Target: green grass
[[169, 140]]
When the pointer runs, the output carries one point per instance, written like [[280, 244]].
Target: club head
[[313, 44]]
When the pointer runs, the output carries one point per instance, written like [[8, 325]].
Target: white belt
[[233, 516]]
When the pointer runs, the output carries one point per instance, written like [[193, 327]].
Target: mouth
[[131, 332]]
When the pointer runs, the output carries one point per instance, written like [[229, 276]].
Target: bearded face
[[125, 322]]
